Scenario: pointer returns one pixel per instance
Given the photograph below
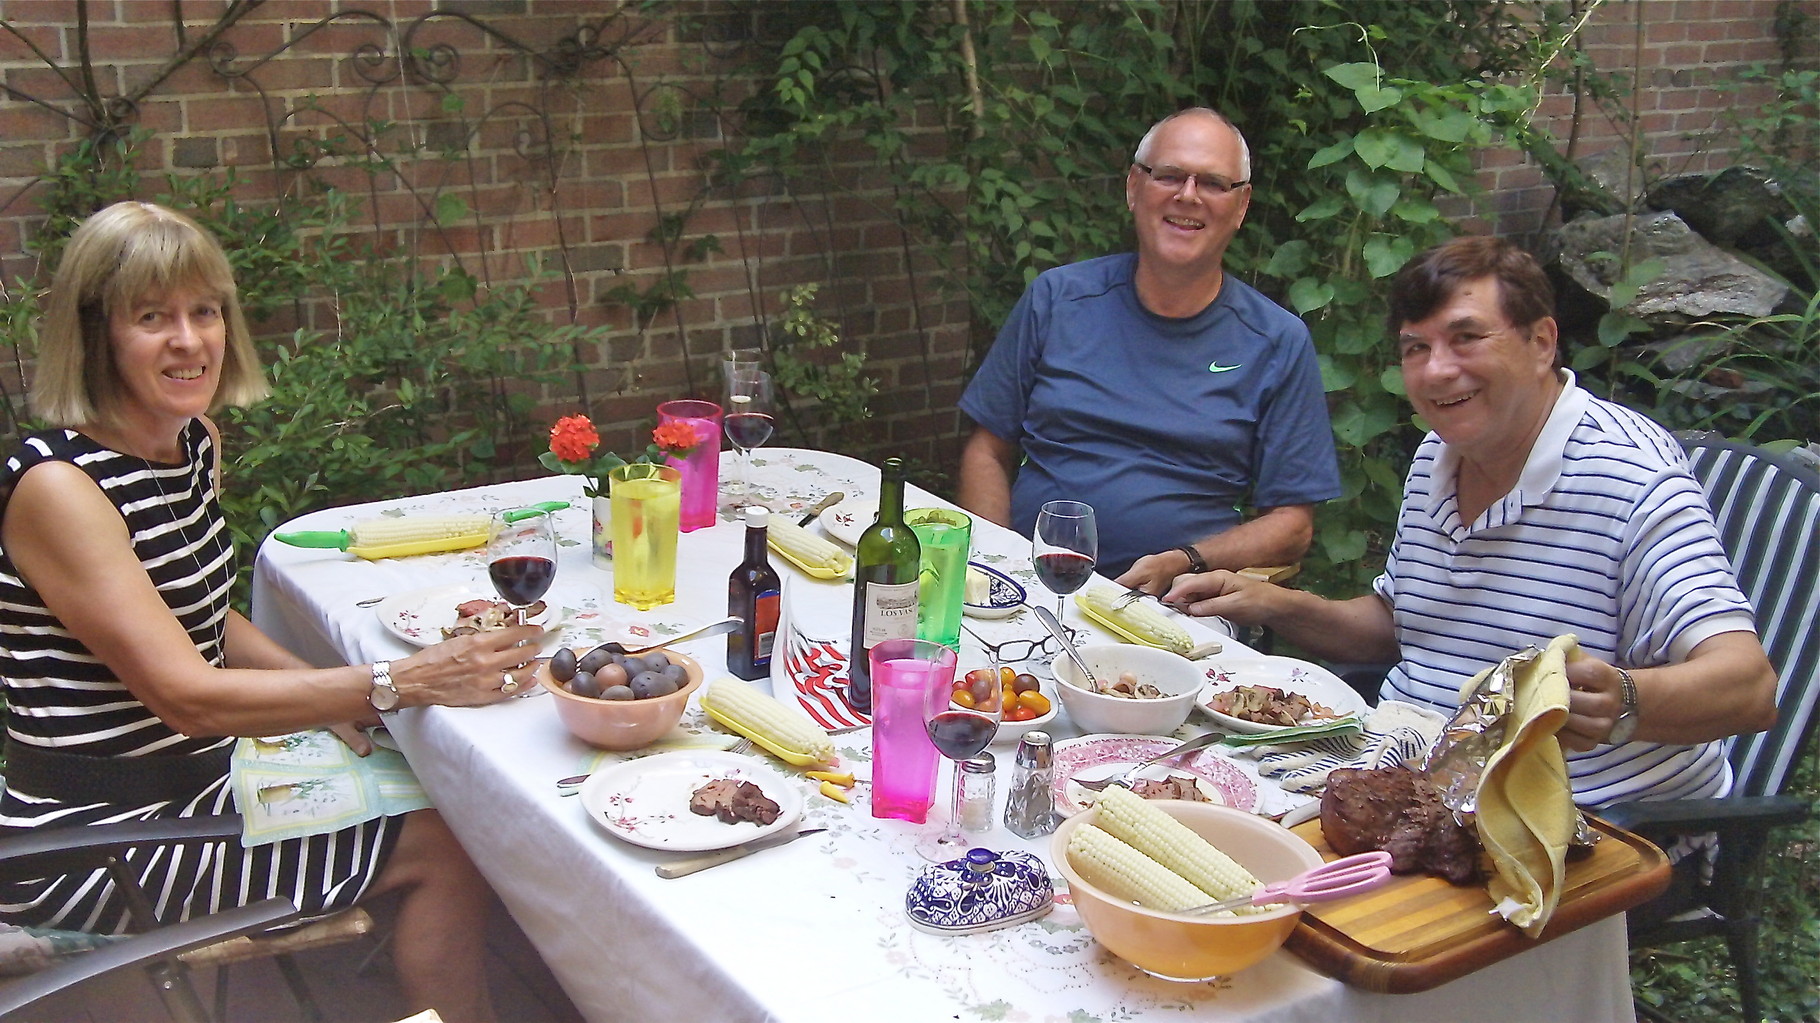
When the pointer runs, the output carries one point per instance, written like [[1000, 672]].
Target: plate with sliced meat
[[691, 800], [1253, 695]]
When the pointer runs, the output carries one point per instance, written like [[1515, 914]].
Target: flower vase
[[701, 469], [603, 532]]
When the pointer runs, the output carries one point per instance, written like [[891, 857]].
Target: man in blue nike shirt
[[1172, 398]]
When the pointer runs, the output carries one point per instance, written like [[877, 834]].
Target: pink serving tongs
[[1347, 875]]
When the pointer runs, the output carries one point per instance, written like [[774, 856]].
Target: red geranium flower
[[573, 438], [677, 439]]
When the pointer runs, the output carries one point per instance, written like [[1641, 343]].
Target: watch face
[[1623, 728], [383, 697]]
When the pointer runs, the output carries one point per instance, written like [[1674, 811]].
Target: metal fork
[[1128, 598], [1123, 778]]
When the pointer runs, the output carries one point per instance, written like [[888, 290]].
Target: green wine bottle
[[884, 585]]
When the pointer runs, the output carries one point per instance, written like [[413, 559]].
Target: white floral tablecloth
[[815, 930]]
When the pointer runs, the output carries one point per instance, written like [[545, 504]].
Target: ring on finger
[[509, 685]]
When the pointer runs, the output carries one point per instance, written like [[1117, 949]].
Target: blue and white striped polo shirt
[[1607, 536]]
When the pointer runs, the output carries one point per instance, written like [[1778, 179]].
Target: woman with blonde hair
[[126, 672]]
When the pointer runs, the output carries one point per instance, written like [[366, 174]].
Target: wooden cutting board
[[1418, 932]]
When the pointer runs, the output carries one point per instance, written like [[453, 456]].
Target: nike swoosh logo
[[1215, 367]]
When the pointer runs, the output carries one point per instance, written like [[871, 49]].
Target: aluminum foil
[[1474, 733]]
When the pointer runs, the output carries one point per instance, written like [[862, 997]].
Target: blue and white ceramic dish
[[981, 891], [1004, 598]]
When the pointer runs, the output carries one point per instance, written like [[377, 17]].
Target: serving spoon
[[1047, 617]]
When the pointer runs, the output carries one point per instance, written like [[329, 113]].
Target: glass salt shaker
[[975, 780], [1030, 806]]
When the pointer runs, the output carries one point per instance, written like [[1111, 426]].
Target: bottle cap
[[982, 764], [757, 517]]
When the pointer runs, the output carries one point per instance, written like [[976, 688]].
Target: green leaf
[[1374, 100], [1408, 156], [1355, 76], [1289, 259], [1332, 154], [1373, 193], [1617, 325], [1341, 545], [450, 208], [1392, 381], [1385, 254], [1443, 177], [1449, 124], [1375, 146], [452, 103], [1308, 294], [1322, 208]]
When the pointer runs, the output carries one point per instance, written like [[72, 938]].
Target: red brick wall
[[613, 180], [1678, 51]]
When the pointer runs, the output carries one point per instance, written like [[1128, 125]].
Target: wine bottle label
[[764, 624], [890, 612]]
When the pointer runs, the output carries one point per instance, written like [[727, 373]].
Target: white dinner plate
[[419, 616], [646, 801], [1092, 757], [1286, 673], [1004, 596], [847, 520]]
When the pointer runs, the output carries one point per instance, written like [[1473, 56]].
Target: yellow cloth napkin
[[1526, 812]]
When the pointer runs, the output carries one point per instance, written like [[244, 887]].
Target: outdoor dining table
[[814, 930]]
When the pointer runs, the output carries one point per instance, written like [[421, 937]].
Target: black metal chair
[[1768, 509], [164, 951]]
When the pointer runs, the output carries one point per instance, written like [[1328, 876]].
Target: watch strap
[[1196, 563], [384, 694]]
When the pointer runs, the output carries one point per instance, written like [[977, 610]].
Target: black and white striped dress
[[62, 698]]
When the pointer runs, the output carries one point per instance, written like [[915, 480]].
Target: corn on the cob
[[416, 534], [1146, 828], [811, 553], [783, 730], [1138, 620], [1114, 866]]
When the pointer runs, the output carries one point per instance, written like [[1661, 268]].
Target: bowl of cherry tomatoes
[[1023, 704]]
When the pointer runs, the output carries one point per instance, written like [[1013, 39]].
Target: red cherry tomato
[[1020, 714]]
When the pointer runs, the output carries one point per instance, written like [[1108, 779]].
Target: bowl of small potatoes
[[618, 702]]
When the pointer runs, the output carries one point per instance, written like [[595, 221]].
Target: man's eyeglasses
[[1175, 179], [1012, 651]]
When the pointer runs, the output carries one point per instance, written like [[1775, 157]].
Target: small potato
[[562, 665], [584, 683], [617, 693], [612, 675], [656, 660], [595, 658]]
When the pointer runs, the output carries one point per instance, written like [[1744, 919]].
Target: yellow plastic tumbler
[[647, 500]]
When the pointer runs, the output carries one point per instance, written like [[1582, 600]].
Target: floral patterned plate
[[419, 616], [646, 801], [1286, 673], [1092, 757], [848, 520]]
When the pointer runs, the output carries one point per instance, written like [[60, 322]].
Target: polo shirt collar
[[1541, 470]]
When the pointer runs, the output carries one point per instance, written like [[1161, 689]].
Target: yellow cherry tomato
[[1034, 701], [964, 698]]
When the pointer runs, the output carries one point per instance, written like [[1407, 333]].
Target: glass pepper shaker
[[975, 780], [1030, 806]]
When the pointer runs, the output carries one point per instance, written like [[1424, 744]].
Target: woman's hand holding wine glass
[[1064, 548], [521, 561]]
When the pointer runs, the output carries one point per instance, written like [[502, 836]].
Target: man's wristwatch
[[384, 695], [1625, 727]]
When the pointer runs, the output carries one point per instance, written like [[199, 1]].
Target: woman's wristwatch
[[384, 695]]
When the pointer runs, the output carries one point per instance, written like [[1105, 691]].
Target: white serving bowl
[[1178, 677]]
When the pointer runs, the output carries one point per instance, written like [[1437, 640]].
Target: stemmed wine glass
[[959, 728], [747, 419], [521, 557], [1064, 548]]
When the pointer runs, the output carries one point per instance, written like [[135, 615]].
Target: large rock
[[1700, 279], [1600, 185], [1738, 205]]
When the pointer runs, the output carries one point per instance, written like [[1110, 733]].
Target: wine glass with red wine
[[1064, 548], [747, 421], [521, 557], [960, 728]]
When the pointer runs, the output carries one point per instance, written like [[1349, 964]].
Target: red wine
[[748, 430], [522, 580], [1064, 573], [959, 734]]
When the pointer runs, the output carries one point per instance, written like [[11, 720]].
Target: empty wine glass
[[747, 421], [521, 557], [960, 728], [1064, 548]]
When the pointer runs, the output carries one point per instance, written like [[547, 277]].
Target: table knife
[[682, 868], [821, 506]]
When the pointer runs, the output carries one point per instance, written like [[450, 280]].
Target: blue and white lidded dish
[[981, 891]]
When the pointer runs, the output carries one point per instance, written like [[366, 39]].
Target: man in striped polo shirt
[[1534, 509]]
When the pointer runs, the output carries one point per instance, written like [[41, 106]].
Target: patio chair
[[164, 952], [1768, 509]]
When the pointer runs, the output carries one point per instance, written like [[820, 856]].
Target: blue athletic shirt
[[1165, 426]]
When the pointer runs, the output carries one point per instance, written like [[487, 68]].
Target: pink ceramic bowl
[[622, 724]]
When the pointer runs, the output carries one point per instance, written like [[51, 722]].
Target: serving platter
[[1286, 673], [1092, 757], [646, 801]]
